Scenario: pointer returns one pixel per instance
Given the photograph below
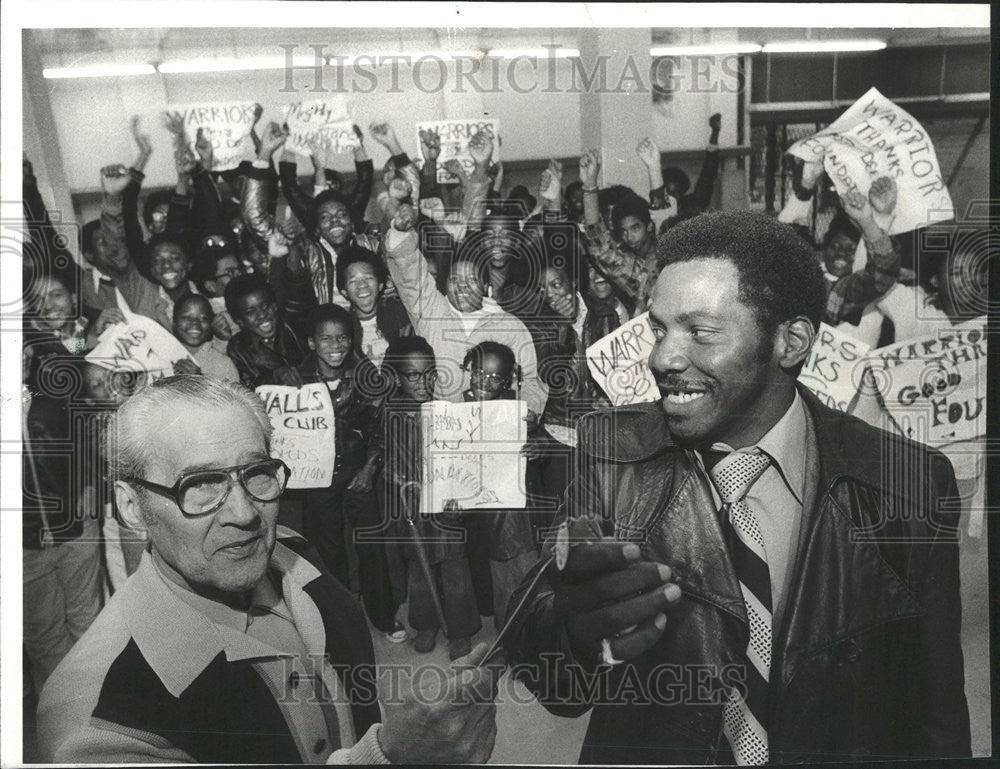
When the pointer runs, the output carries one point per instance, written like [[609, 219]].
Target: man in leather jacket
[[859, 529]]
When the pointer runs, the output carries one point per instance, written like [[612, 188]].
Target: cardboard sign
[[304, 432], [619, 362], [455, 136], [875, 138], [934, 388], [320, 126], [227, 125], [472, 454], [835, 367], [139, 346]]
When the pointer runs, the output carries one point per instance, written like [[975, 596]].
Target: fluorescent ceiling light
[[98, 70], [556, 52], [223, 65], [825, 46], [410, 57], [707, 49]]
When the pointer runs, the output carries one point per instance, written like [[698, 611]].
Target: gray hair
[[136, 419]]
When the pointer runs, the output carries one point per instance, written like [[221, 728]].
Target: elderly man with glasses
[[230, 644]]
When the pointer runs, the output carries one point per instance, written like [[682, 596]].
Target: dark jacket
[[356, 404], [444, 535], [257, 363], [867, 661]]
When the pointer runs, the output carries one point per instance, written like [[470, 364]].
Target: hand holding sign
[[225, 125], [874, 140]]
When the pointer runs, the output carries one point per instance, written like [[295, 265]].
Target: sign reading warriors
[[226, 125], [304, 432], [876, 139], [934, 388], [619, 362], [455, 136], [320, 126], [140, 346], [832, 370], [472, 454]]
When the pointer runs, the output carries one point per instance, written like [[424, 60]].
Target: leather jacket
[[867, 661]]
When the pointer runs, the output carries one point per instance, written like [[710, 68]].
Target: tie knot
[[734, 477]]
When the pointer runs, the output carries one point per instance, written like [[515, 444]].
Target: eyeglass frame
[[491, 376], [233, 474]]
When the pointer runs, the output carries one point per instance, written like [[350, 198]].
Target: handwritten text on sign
[[455, 136], [832, 370], [472, 454], [620, 363], [320, 126], [225, 125], [139, 346], [304, 432], [875, 138], [939, 381]]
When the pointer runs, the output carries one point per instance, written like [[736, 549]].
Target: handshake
[[612, 604]]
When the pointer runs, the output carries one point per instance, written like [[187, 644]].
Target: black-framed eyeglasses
[[415, 376], [232, 272], [201, 492]]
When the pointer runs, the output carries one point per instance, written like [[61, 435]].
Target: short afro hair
[[330, 313], [187, 299], [779, 278], [171, 238], [242, 286], [630, 205], [359, 255]]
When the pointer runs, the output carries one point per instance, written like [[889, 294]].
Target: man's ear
[[311, 343], [127, 501], [794, 341]]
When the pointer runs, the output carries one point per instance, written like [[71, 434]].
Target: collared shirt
[[308, 693], [776, 497]]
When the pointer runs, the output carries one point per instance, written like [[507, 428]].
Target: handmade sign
[[619, 362], [320, 126], [140, 346], [304, 432], [834, 368], [472, 454], [873, 139], [934, 388], [455, 136], [226, 125]]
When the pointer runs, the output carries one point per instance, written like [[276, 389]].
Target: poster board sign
[[472, 453], [304, 432], [226, 124], [835, 367], [321, 126], [876, 138], [455, 136], [139, 346], [934, 388], [619, 362]]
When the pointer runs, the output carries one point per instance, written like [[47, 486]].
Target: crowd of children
[[420, 292]]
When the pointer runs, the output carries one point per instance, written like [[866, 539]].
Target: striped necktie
[[745, 717]]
